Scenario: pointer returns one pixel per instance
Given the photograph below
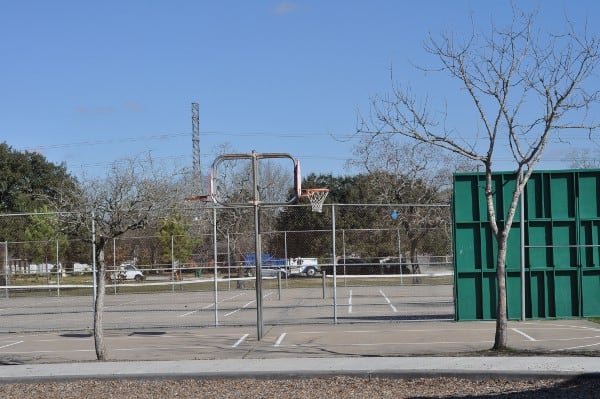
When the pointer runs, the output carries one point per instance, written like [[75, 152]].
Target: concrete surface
[[471, 367]]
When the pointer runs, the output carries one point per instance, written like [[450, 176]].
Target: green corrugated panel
[[468, 305], [562, 209], [468, 245], [537, 206], [488, 247], [562, 195], [466, 199], [537, 289], [590, 289], [539, 237], [589, 196], [513, 250], [563, 240], [566, 294], [489, 295], [590, 251], [513, 295]]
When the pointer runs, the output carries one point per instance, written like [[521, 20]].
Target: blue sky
[[87, 83]]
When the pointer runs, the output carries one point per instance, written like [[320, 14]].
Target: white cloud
[[285, 7]]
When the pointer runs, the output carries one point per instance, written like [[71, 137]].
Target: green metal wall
[[562, 241]]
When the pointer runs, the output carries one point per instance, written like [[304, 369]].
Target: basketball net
[[317, 196]]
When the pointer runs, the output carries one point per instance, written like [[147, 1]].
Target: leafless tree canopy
[[526, 86]]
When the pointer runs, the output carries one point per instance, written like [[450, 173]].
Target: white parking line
[[388, 301], [575, 347], [210, 305], [239, 341], [238, 309], [14, 343], [523, 334], [280, 339], [187, 314], [246, 305]]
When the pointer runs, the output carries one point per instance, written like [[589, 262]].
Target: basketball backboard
[[277, 177]]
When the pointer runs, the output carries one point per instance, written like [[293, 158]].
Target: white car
[[305, 266], [128, 272]]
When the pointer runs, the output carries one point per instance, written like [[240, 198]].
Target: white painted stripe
[[210, 305], [388, 301], [575, 347], [230, 313], [237, 310], [187, 314], [280, 339], [523, 334], [239, 341], [14, 343]]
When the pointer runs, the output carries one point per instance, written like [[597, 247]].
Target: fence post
[[58, 272], [400, 258], [6, 268], [285, 255], [522, 225], [94, 284], [215, 253], [114, 272], [324, 284], [334, 264], [228, 263], [172, 267]]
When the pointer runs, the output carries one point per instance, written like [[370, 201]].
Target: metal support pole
[[215, 265], [172, 267], [279, 283], [6, 268], [94, 284], [114, 272], [285, 256], [324, 283], [58, 272], [522, 219], [400, 257], [257, 249], [228, 263], [334, 265]]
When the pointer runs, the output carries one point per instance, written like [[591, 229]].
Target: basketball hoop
[[316, 196]]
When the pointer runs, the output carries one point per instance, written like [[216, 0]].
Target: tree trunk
[[414, 261], [101, 353], [501, 338]]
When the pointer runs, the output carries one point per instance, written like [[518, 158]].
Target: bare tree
[[123, 201], [586, 158], [525, 87], [411, 174]]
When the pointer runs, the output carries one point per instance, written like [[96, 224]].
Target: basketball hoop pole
[[257, 249], [215, 196]]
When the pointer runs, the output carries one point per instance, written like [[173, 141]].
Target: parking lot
[[298, 323]]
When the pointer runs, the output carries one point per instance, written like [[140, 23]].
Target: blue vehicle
[[271, 266]]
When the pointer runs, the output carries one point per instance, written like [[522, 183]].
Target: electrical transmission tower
[[196, 166]]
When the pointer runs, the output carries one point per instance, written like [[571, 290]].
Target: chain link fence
[[349, 263]]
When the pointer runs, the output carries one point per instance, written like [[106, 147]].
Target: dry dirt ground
[[326, 387]]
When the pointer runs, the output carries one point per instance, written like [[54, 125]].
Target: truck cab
[[306, 266]]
